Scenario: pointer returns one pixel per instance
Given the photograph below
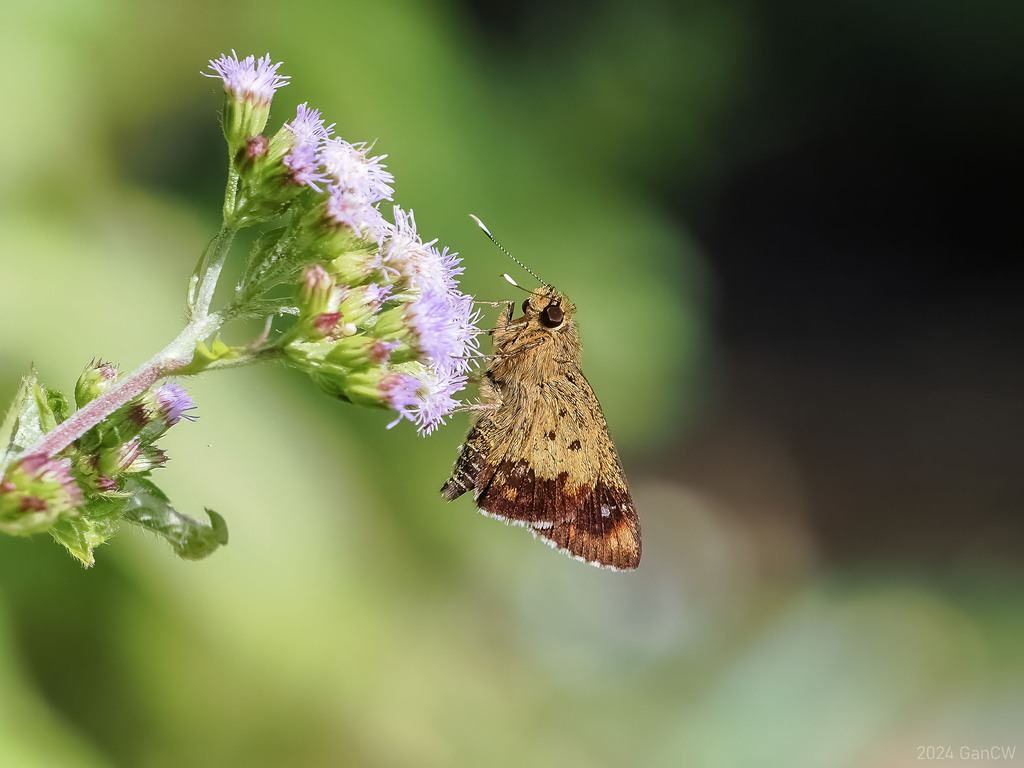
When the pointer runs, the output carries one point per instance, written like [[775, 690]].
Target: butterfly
[[538, 453]]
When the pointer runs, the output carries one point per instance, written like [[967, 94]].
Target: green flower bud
[[96, 379], [317, 291]]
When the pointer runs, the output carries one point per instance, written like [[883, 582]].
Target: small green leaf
[[58, 404], [28, 419], [190, 539], [205, 356], [80, 535], [96, 523]]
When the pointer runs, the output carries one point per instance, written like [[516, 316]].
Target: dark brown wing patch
[[514, 492], [605, 530]]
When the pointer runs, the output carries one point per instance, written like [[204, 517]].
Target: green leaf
[[192, 540], [82, 533], [81, 536], [205, 356], [30, 417], [58, 404]]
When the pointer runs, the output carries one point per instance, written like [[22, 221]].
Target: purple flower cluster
[[367, 267], [355, 173], [436, 399], [249, 79]]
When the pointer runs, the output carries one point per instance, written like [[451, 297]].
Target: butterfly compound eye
[[552, 316]]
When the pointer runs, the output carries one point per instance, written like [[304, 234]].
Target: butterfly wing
[[603, 528], [545, 460]]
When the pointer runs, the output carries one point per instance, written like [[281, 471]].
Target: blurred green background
[[784, 229]]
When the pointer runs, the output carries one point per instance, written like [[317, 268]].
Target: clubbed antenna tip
[[481, 225], [502, 249]]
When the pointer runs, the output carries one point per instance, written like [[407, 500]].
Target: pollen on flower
[[250, 79]]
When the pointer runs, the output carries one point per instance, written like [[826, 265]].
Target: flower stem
[[204, 280], [172, 358], [166, 362]]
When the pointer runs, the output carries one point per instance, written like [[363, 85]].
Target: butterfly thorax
[[539, 345]]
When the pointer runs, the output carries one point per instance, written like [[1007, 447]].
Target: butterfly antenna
[[502, 249]]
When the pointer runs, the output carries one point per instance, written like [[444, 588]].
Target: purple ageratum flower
[[377, 294], [348, 209], [399, 390], [356, 173], [405, 253], [465, 317], [435, 400], [444, 326], [249, 79], [173, 403], [303, 159]]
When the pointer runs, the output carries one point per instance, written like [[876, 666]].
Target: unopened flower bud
[[117, 460], [317, 288], [96, 379], [35, 492]]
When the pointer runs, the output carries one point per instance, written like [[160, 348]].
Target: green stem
[[204, 279], [270, 353], [168, 361], [203, 282]]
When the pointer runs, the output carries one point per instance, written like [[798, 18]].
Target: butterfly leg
[[475, 408], [505, 317]]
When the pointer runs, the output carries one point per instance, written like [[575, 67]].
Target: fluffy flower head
[[250, 79], [309, 133]]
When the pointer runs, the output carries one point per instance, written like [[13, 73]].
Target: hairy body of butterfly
[[538, 453]]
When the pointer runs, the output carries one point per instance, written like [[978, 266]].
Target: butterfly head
[[548, 308]]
